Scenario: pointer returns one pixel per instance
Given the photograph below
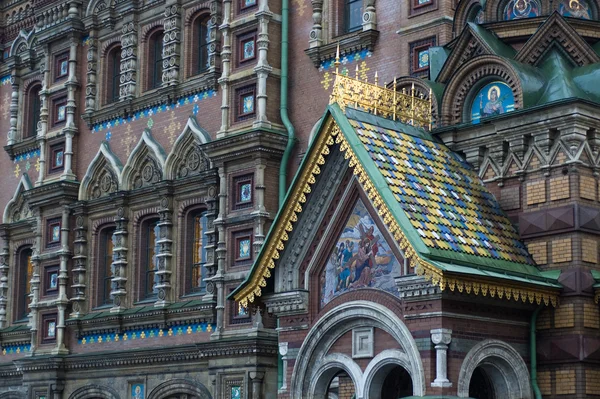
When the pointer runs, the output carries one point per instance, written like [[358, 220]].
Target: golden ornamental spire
[[388, 103]]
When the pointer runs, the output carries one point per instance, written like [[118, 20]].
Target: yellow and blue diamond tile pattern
[[12, 349], [443, 198]]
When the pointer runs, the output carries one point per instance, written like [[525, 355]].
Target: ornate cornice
[[287, 303]]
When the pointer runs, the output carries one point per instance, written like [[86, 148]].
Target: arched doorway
[[397, 384], [494, 369], [341, 386], [481, 386], [315, 368]]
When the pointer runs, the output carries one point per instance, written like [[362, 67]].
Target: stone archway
[[383, 366], [94, 392], [502, 365], [314, 368], [178, 387]]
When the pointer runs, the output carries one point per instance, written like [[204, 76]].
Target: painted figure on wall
[[517, 9], [493, 99], [137, 391], [360, 259], [575, 9]]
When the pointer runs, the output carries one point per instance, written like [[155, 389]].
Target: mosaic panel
[[149, 112], [146, 333], [518, 9], [493, 99], [575, 9], [361, 258], [16, 349]]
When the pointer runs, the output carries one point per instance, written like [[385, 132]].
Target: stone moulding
[[293, 207]]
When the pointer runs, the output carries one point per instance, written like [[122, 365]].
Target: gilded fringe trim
[[421, 266]]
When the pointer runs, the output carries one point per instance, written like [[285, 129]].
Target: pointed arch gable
[[24, 41], [186, 156], [145, 165], [102, 175], [97, 6], [17, 208]]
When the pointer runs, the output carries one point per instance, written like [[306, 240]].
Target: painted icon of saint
[[494, 104], [575, 9], [518, 9]]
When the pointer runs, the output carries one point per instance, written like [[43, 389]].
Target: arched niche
[[17, 208], [193, 389], [503, 366], [461, 89], [102, 176], [314, 364], [145, 165], [186, 157]]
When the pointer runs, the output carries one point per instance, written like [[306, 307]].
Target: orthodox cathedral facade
[[299, 199]]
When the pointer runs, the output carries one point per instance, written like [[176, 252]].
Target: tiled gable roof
[[443, 198]]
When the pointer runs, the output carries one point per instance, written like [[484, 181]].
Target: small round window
[[495, 98]]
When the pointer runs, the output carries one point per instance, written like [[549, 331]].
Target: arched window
[[113, 74], [148, 260], [33, 111], [201, 38], [155, 59], [353, 10], [25, 271], [105, 259], [196, 251]]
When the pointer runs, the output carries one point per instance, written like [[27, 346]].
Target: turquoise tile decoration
[[147, 113]]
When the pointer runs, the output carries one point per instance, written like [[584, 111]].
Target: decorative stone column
[[164, 255], [119, 264], [260, 214], [4, 260], [441, 338], [211, 264], [128, 77], [316, 33], [92, 70], [70, 127], [226, 62], [42, 128], [214, 41], [262, 69], [171, 44], [283, 351], [221, 251], [34, 294], [369, 16], [256, 378], [14, 108], [63, 277], [80, 264]]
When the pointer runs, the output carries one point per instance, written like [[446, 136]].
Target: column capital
[[441, 336]]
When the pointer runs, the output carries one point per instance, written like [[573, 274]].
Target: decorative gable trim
[[147, 153], [186, 157], [288, 216], [107, 161], [557, 32], [18, 202], [469, 46]]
